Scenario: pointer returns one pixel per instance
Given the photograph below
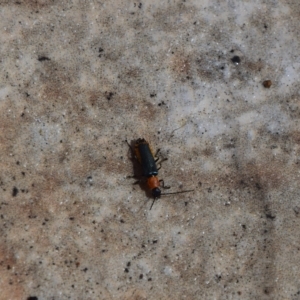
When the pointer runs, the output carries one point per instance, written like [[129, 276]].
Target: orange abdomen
[[153, 182]]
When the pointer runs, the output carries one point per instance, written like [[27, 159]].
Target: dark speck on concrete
[[236, 59], [270, 216], [43, 58], [267, 84], [108, 95], [15, 191]]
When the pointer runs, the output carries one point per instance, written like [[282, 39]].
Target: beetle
[[147, 160]]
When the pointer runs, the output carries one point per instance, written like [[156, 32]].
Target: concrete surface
[[78, 78]]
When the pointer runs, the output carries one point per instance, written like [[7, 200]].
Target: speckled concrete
[[78, 78]]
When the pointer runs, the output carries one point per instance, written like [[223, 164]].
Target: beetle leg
[[159, 163], [157, 152], [163, 184]]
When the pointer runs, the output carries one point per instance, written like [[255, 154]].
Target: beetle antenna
[[152, 203], [177, 192], [171, 194], [171, 135]]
